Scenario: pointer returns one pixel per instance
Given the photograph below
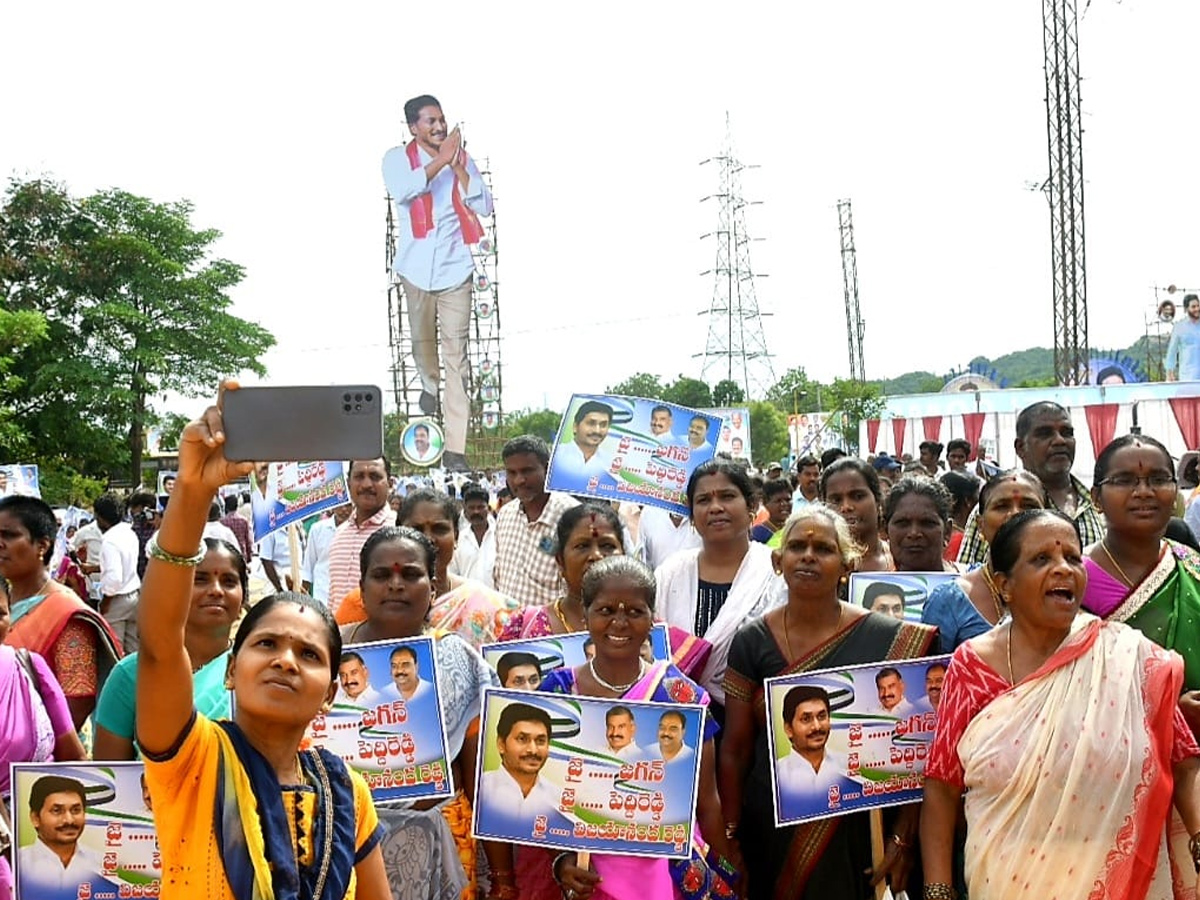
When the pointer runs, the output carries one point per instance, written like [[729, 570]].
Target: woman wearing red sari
[[1064, 734], [814, 630]]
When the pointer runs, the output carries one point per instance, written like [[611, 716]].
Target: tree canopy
[[132, 303]]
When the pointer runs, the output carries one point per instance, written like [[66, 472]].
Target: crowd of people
[[1065, 754]]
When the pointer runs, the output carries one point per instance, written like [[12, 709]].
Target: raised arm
[[164, 683]]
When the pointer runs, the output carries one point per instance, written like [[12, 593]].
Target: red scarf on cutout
[[420, 211]]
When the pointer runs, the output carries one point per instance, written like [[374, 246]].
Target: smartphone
[[303, 423]]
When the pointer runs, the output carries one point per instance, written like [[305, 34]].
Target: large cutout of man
[[517, 789], [58, 811], [439, 195]]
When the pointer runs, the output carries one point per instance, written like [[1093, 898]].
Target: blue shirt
[[1184, 350]]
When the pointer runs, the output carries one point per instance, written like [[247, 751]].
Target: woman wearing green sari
[[1136, 575]]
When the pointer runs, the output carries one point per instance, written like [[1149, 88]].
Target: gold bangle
[[156, 552], [899, 843], [730, 830], [939, 891]]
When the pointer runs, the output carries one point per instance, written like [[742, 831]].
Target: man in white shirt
[[55, 861], [354, 682], [934, 676], [119, 582], [620, 729], [670, 738], [663, 533], [583, 456], [406, 677], [698, 436], [215, 528], [439, 196], [808, 771], [892, 702], [517, 790], [475, 552], [314, 570], [808, 477]]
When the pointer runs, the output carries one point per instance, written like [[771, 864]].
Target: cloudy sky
[[273, 119]]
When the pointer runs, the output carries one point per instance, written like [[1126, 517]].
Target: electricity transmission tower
[[855, 327], [1064, 190], [736, 348]]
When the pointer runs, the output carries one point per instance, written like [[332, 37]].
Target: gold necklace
[[558, 610], [995, 591], [787, 639], [1104, 546]]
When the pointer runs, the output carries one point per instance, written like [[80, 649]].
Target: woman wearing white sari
[[711, 591], [1065, 736]]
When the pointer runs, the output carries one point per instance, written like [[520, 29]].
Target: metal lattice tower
[[484, 436], [737, 347], [855, 326], [1064, 190]]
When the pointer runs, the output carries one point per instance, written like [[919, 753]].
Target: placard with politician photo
[[581, 773], [523, 664], [901, 595], [83, 830], [631, 448], [851, 738], [386, 720]]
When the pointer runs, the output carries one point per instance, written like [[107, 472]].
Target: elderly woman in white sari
[[1064, 734], [711, 591]]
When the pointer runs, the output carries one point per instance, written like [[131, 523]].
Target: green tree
[[135, 305], [688, 392], [639, 385], [541, 422], [19, 331], [727, 393], [793, 392], [768, 432], [853, 401]]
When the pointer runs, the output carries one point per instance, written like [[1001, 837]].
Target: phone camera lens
[[369, 398], [358, 397], [346, 397], [346, 407]]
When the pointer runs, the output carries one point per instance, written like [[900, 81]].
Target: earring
[[229, 684]]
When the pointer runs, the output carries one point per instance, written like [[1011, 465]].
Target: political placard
[[19, 481], [582, 773], [294, 491], [630, 448], [386, 720], [901, 595], [98, 813], [734, 438], [511, 659], [853, 738]]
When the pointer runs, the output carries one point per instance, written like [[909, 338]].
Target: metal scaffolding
[[1064, 190], [736, 349], [855, 326]]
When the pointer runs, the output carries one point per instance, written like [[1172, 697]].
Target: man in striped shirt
[[1045, 445], [370, 483], [526, 530]]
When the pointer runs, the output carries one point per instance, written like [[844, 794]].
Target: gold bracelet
[[939, 891], [899, 843], [731, 830], [156, 552]]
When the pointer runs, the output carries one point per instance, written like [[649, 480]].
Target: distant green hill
[[1022, 368]]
